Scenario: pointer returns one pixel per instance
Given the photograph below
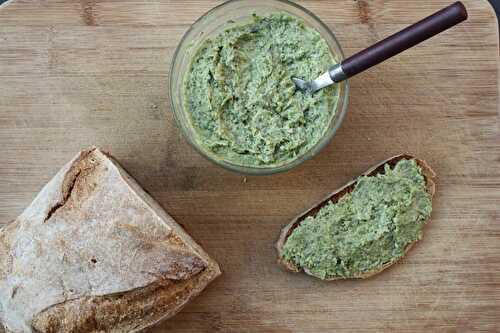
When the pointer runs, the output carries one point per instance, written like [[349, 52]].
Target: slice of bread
[[95, 253], [334, 197]]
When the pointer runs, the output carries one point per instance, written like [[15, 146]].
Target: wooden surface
[[74, 74]]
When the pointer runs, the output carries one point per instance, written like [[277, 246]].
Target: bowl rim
[[264, 170]]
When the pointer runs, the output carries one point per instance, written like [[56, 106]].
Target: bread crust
[[335, 196], [95, 253]]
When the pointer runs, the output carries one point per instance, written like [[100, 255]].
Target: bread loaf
[[95, 253]]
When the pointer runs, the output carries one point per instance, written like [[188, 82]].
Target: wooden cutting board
[[80, 73]]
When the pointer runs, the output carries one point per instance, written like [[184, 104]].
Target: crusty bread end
[[96, 253]]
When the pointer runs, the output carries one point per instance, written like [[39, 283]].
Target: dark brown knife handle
[[405, 39]]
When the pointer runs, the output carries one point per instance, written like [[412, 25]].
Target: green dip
[[365, 229], [240, 97]]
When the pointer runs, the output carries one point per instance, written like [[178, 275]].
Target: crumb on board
[[244, 180]]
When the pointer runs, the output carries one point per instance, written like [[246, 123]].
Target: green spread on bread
[[366, 229]]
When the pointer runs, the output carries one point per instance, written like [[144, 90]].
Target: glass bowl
[[224, 16]]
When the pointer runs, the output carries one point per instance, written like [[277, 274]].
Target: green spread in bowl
[[240, 98]]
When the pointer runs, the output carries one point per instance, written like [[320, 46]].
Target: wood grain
[[78, 73]]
